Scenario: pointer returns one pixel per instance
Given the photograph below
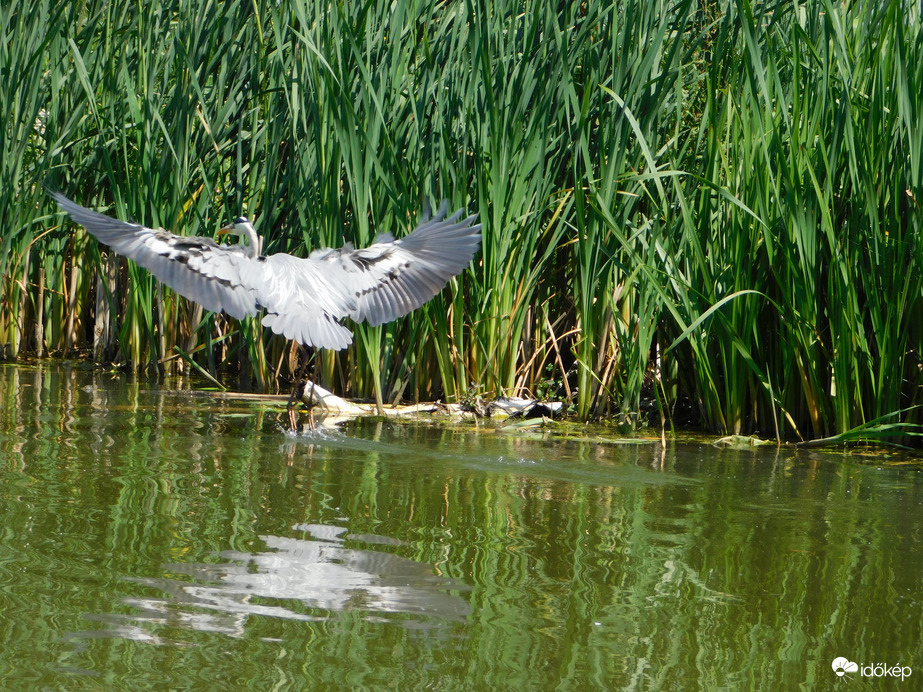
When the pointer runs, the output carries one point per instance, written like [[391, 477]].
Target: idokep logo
[[842, 666]]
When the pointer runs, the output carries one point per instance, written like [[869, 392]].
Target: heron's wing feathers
[[391, 277], [219, 277]]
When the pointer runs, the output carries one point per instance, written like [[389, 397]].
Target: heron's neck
[[255, 247]]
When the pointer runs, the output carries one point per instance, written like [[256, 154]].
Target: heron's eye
[[240, 219]]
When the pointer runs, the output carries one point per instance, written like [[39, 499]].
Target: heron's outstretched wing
[[219, 277], [391, 277]]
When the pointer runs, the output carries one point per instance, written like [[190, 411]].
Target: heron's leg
[[311, 409], [292, 422], [293, 397], [298, 382], [298, 387]]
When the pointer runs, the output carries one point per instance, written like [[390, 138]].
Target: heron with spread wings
[[304, 298]]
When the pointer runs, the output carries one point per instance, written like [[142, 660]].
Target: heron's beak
[[226, 230]]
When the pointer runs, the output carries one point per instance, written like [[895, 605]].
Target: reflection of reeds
[[634, 165]]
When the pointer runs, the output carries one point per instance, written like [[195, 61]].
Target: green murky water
[[151, 540]]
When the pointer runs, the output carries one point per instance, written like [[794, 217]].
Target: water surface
[[152, 540]]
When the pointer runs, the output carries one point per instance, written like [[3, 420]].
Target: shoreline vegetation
[[696, 212]]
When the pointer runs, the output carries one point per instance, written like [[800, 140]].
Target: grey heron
[[304, 298]]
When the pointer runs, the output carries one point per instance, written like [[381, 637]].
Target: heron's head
[[239, 226]]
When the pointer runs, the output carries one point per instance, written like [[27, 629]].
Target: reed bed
[[713, 206]]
